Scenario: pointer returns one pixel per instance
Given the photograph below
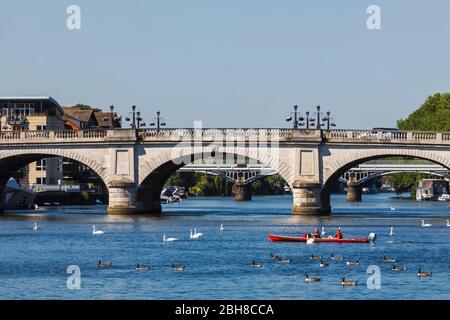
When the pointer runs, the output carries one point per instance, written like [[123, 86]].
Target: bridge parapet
[[386, 137], [210, 135], [193, 134]]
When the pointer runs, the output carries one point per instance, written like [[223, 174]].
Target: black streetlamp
[[318, 124], [328, 120], [159, 121], [136, 120], [295, 119], [139, 120]]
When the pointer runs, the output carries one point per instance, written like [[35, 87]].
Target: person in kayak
[[315, 233], [339, 234]]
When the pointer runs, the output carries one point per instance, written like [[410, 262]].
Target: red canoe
[[303, 238]]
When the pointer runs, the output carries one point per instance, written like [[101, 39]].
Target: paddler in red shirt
[[339, 234]]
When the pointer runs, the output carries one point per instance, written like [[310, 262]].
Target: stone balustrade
[[210, 135]]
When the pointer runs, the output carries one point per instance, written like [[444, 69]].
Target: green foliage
[[209, 185], [85, 107], [406, 182], [433, 115]]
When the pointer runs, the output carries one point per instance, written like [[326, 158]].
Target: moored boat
[[303, 238]]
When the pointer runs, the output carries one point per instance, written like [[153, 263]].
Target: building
[[107, 120], [79, 119], [44, 113], [34, 114], [431, 189]]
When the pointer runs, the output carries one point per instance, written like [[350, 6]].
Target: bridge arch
[[155, 172], [15, 159], [339, 167]]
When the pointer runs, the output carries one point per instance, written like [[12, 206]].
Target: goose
[[425, 225], [141, 267], [349, 282], [313, 257], [448, 223], [170, 239], [352, 262], [96, 231], [221, 227], [391, 234], [421, 273], [177, 268], [323, 264], [35, 226], [311, 279], [399, 269], [389, 260], [333, 257], [104, 264], [274, 257], [256, 264], [281, 260], [195, 234]]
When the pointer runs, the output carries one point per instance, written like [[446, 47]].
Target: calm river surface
[[33, 264]]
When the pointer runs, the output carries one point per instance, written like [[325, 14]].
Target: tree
[[406, 182], [85, 107], [432, 115]]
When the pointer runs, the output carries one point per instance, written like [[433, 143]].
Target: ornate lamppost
[[296, 120], [158, 122]]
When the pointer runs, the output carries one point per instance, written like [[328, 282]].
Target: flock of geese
[[255, 264], [348, 262]]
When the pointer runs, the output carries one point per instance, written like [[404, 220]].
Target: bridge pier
[[122, 197], [306, 198], [354, 191], [243, 191]]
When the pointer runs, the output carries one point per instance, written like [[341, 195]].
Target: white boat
[[444, 197]]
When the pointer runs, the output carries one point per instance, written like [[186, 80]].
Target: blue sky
[[230, 63]]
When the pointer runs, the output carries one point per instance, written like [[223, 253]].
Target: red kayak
[[276, 238]]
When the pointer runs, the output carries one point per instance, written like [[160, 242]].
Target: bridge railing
[[47, 136], [241, 134], [214, 134], [386, 136]]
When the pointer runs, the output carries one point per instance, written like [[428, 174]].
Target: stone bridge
[[135, 164]]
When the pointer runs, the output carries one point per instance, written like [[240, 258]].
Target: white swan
[[448, 223], [35, 226], [425, 225], [222, 228], [170, 239], [392, 209], [195, 234], [391, 234], [96, 231], [309, 240], [323, 231], [36, 207]]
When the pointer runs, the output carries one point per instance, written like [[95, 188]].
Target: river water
[[33, 264]]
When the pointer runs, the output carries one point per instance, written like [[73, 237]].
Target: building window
[[41, 128], [41, 165], [41, 180]]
